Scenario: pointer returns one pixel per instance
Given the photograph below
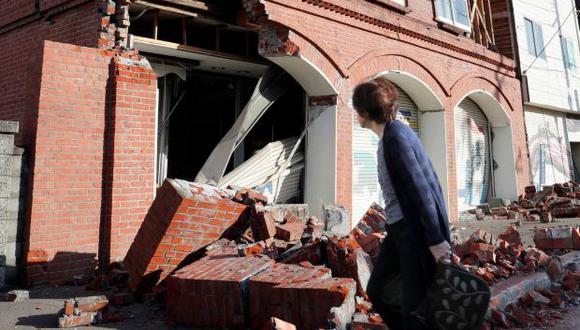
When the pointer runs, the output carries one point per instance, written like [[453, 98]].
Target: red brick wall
[[20, 57], [67, 175], [344, 157], [47, 4], [133, 163], [93, 158], [13, 10], [359, 46]]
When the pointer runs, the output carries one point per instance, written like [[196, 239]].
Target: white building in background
[[548, 41]]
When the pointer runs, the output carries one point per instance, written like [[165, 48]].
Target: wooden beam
[[196, 5], [473, 9], [489, 21], [155, 24], [184, 29], [168, 9]]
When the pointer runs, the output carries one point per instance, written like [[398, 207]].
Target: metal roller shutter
[[473, 154], [365, 184], [408, 109]]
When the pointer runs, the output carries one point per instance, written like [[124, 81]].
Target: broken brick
[[522, 317], [541, 239], [311, 252], [480, 236], [17, 296], [557, 301], [277, 324], [570, 281], [537, 256], [362, 305], [483, 252], [291, 218], [67, 321], [511, 235], [530, 189], [262, 223], [576, 238], [312, 303], [533, 298], [374, 219], [561, 237], [184, 218], [546, 217], [261, 287], [69, 307], [262, 247], [347, 259], [533, 217], [527, 204], [249, 196], [567, 212], [500, 318], [214, 289], [499, 211], [91, 304], [290, 231], [485, 274], [370, 243]]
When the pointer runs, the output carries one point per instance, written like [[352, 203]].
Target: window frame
[[569, 59], [396, 5], [537, 34], [452, 21]]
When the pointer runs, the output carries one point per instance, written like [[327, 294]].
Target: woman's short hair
[[376, 99]]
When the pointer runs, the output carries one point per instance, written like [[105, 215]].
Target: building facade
[[115, 96], [546, 43]]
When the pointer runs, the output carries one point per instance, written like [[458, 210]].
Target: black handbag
[[456, 299]]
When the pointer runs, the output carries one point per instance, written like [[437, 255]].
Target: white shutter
[[365, 183], [548, 147], [408, 109], [472, 153], [573, 127]]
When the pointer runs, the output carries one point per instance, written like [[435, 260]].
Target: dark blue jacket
[[416, 184]]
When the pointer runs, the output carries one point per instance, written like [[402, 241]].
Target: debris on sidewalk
[[225, 258], [539, 308], [561, 200], [82, 311], [16, 296]]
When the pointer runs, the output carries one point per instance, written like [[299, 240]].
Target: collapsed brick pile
[[222, 258], [493, 259], [556, 201], [541, 308]]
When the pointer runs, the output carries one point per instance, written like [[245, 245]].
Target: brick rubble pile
[[223, 258], [555, 201]]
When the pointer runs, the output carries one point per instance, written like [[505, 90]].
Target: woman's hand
[[441, 252]]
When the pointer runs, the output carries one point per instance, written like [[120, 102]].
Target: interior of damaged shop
[[221, 107]]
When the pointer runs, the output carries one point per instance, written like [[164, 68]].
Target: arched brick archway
[[424, 89], [506, 121], [378, 61]]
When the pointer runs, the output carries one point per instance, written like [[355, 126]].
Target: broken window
[[219, 102]]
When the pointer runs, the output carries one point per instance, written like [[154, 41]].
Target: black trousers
[[401, 276]]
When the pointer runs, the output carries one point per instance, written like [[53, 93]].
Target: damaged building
[[115, 96]]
